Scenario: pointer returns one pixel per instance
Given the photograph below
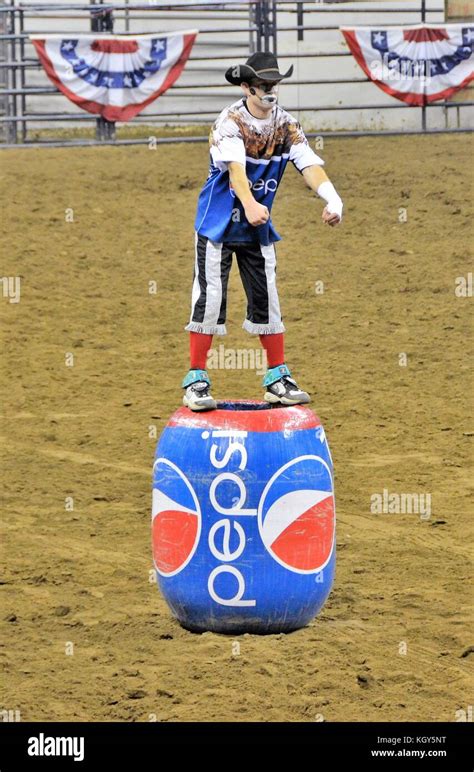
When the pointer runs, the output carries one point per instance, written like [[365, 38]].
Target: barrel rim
[[260, 418]]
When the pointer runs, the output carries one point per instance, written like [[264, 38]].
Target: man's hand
[[256, 214], [330, 218], [317, 179]]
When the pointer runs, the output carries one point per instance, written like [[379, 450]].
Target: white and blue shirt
[[263, 146]]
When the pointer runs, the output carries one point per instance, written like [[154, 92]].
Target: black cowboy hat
[[259, 66]]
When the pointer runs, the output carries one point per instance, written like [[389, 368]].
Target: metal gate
[[229, 31]]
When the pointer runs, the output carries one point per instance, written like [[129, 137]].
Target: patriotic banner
[[416, 64], [115, 76]]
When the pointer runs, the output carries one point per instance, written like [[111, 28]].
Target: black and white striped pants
[[257, 266]]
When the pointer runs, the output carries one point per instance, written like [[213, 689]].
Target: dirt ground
[[86, 635]]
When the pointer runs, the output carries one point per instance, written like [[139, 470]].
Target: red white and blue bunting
[[418, 64], [115, 76]]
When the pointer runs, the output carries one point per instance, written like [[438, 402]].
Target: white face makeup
[[268, 92]]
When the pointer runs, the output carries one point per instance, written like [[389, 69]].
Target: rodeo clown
[[251, 143]]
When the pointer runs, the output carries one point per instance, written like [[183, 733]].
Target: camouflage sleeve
[[300, 152], [226, 143]]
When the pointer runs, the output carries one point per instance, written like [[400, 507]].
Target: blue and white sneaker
[[197, 395], [281, 387]]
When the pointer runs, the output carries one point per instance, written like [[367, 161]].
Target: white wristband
[[334, 203]]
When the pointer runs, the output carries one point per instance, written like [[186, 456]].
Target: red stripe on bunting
[[115, 46], [424, 35]]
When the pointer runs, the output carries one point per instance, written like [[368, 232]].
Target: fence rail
[[253, 25]]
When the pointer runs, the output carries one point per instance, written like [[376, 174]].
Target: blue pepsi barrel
[[243, 517]]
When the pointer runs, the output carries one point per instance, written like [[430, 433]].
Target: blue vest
[[220, 215]]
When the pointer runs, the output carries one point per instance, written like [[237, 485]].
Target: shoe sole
[[198, 408], [269, 397]]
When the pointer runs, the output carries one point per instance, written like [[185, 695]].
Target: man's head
[[259, 78]]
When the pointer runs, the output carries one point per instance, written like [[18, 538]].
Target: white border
[[198, 515]]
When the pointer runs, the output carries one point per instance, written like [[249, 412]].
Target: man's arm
[[256, 213], [317, 179]]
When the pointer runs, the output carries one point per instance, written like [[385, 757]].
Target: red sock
[[274, 345], [199, 345]]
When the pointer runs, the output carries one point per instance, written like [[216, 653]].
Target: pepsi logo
[[296, 515], [176, 517]]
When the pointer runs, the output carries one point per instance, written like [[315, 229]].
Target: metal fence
[[228, 30]]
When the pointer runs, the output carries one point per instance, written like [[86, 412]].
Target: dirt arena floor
[[86, 635]]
